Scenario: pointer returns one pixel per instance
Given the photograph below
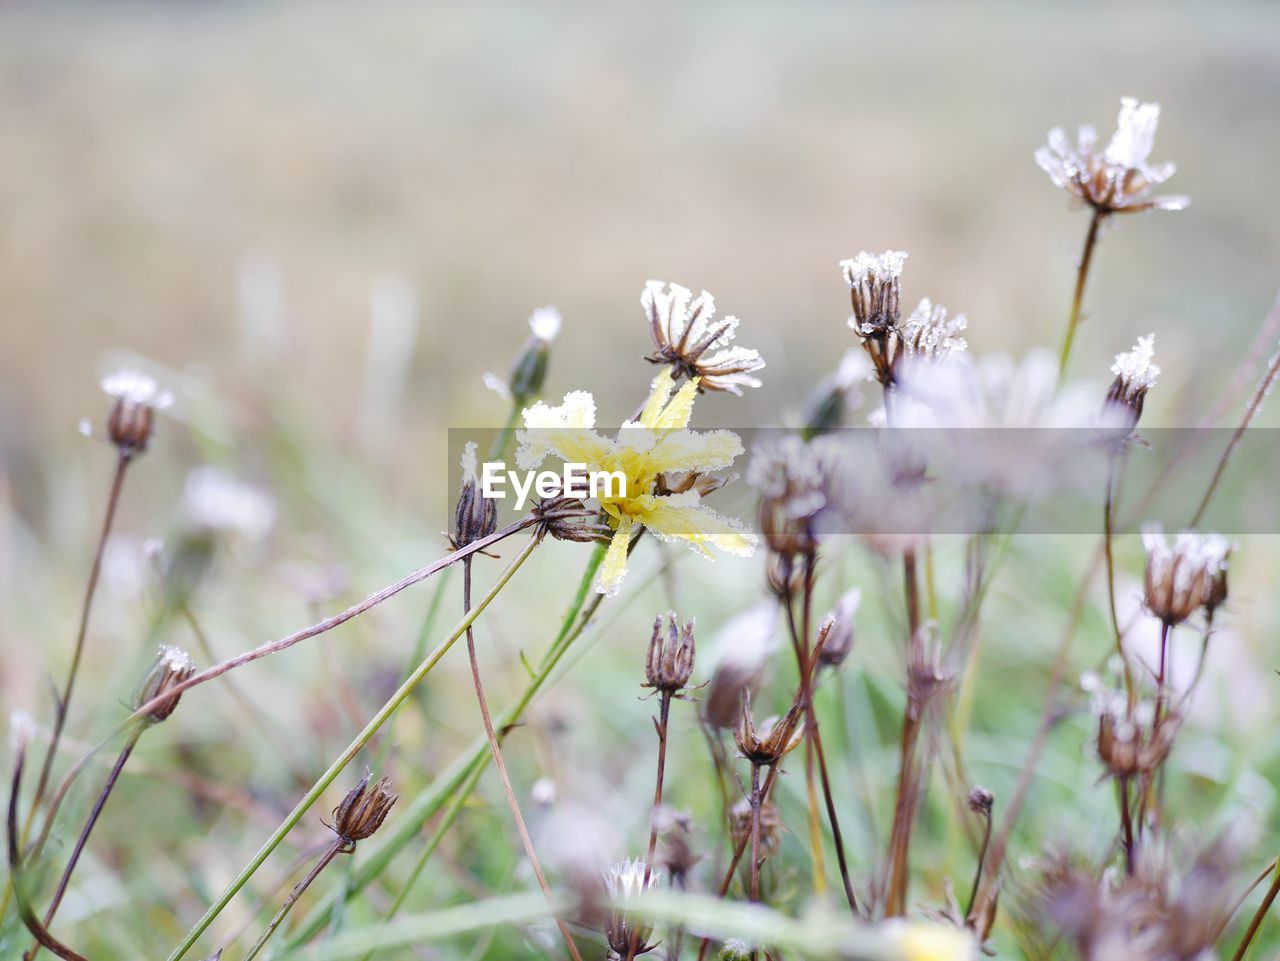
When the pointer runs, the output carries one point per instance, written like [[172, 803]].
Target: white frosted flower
[[1120, 178], [216, 501], [626, 879], [929, 333], [545, 322], [1135, 367], [135, 389], [687, 335], [1182, 575]]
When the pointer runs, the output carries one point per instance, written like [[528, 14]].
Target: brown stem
[[91, 588], [664, 709], [1108, 521], [982, 856], [1077, 298], [272, 647], [754, 890], [908, 776], [496, 750], [85, 831], [339, 846], [1258, 915], [1126, 826]]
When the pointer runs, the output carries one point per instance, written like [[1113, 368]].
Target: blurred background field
[[216, 192]]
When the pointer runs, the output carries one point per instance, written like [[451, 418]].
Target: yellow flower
[[658, 442], [919, 941]]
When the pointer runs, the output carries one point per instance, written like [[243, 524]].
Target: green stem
[[354, 748], [458, 782], [336, 848], [1077, 299]]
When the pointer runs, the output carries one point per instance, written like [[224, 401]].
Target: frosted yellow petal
[[677, 413], [614, 567], [689, 450], [573, 444], [659, 391], [682, 518]]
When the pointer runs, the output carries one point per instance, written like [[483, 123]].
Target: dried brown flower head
[[741, 651], [981, 800], [570, 519], [363, 810], [625, 880], [172, 667], [837, 632], [770, 825], [476, 516], [132, 419], [1135, 375], [1120, 178], [687, 336], [1185, 575], [875, 293], [768, 743], [669, 662]]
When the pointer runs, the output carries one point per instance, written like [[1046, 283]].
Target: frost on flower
[[643, 450], [216, 501], [626, 879], [929, 333], [529, 370], [1120, 178], [137, 390], [687, 335], [545, 323], [1183, 575], [1135, 367]]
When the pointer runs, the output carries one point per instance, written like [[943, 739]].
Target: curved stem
[[85, 831], [1077, 298], [354, 748], [337, 847], [1258, 915], [496, 750]]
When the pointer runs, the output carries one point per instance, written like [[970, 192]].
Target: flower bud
[[529, 372], [476, 516], [363, 810], [1182, 576], [669, 663], [836, 634], [132, 419], [569, 519], [172, 667], [626, 879], [1135, 375], [767, 744]]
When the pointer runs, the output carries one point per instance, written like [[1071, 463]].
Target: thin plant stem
[[386, 711], [664, 712], [500, 765], [1126, 826], [1077, 298], [273, 647], [339, 846], [1258, 916], [908, 777], [1109, 520], [82, 630], [1255, 403], [982, 856], [754, 891], [460, 782], [89, 824]]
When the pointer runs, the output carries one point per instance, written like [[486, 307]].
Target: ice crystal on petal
[[1135, 367]]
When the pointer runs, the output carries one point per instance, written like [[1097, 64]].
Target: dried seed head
[[476, 516], [569, 519], [623, 880], [363, 810], [687, 336], [1135, 375], [1119, 179], [1128, 742], [132, 419], [770, 825], [172, 667], [930, 335], [768, 743], [792, 476], [875, 292], [669, 662], [836, 635], [981, 801], [1185, 575], [741, 651]]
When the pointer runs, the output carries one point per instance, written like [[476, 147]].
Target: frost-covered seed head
[[930, 334], [132, 420], [1120, 178], [475, 516], [1135, 375], [687, 335], [622, 929], [1183, 575], [173, 666], [669, 662]]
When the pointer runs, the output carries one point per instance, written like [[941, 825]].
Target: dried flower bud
[[626, 879], [770, 825], [687, 336], [767, 744], [981, 801], [1135, 375], [1182, 576], [132, 419], [569, 519], [836, 635], [476, 516], [741, 651], [363, 810], [669, 663], [1127, 746], [172, 667], [875, 292]]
